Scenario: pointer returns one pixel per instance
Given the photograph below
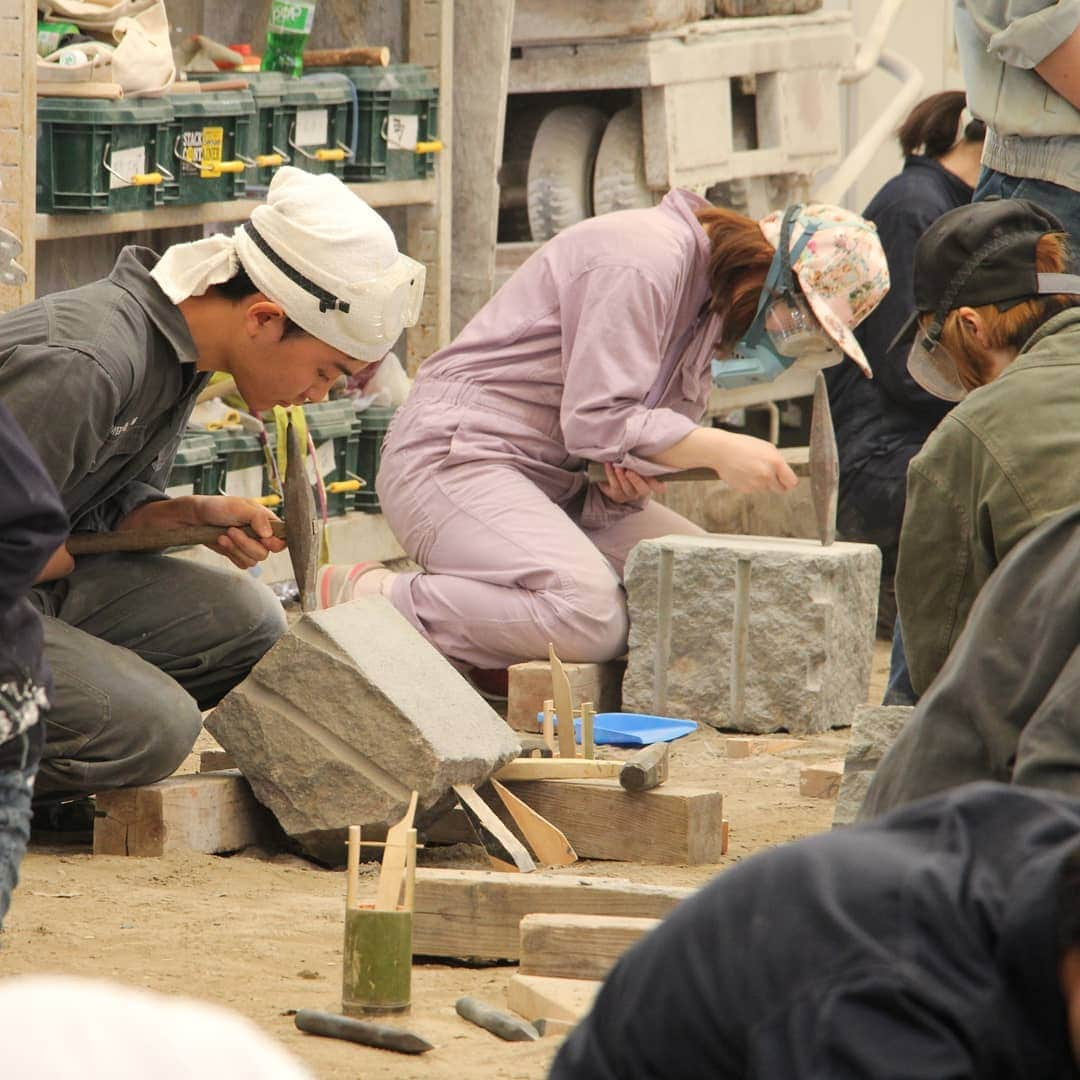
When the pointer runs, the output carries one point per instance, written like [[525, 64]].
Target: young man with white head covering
[[103, 379]]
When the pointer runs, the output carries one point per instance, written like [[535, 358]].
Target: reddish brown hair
[[739, 261], [1007, 329]]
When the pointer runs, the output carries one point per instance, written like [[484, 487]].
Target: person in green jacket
[[998, 314]]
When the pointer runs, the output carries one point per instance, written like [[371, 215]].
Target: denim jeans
[[1062, 202], [16, 786], [899, 690]]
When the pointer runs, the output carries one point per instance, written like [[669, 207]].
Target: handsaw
[[823, 467], [301, 531]]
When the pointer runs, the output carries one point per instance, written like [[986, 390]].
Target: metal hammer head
[[303, 529]]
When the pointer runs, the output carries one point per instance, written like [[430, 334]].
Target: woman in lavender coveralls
[[598, 348]]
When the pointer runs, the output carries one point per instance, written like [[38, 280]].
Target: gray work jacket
[[102, 379]]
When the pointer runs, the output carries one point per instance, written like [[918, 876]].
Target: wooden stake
[[352, 880], [548, 843], [410, 870], [549, 726], [564, 705], [394, 860], [588, 745]]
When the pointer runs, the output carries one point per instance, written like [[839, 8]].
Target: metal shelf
[[66, 226]]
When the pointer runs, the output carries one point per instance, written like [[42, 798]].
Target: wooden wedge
[[394, 861], [503, 848], [549, 845]]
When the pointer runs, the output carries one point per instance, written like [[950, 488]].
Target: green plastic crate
[[98, 156], [370, 426], [268, 136], [194, 469], [207, 140], [398, 110], [316, 124], [330, 424], [243, 459]]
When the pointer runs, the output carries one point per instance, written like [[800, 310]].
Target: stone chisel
[[300, 530], [382, 1036], [823, 468]]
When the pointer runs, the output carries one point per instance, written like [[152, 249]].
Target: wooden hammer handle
[[156, 539]]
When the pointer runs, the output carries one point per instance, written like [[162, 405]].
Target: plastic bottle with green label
[[286, 34]]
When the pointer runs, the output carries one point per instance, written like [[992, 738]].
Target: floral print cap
[[842, 270]]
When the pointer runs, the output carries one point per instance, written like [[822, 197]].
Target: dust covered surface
[[262, 933]]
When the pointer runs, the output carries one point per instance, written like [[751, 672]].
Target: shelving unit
[[427, 202]]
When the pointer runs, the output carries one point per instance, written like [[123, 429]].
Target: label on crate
[[312, 127], [402, 131], [201, 151], [291, 16], [127, 163]]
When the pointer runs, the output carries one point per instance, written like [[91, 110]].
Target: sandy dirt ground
[[262, 933]]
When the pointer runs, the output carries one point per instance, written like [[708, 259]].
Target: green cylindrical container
[[208, 138], [376, 970], [243, 458], [193, 468], [268, 136], [372, 425], [398, 110], [316, 117], [101, 156]]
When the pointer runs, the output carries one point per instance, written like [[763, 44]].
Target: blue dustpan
[[632, 729]]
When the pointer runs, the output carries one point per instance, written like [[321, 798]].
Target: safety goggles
[[385, 304], [930, 364]]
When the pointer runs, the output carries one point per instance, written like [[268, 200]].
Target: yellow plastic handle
[[269, 161], [230, 167], [432, 147], [330, 154], [269, 500], [147, 179], [340, 486]]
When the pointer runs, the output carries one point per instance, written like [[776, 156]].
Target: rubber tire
[[561, 169], [619, 177]]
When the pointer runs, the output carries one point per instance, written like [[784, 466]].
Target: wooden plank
[[534, 996], [476, 913], [212, 812], [530, 686], [577, 946], [558, 769], [672, 825]]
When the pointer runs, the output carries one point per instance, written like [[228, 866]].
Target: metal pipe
[[871, 45], [847, 172]]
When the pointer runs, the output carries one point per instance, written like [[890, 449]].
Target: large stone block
[[757, 633], [349, 713], [874, 729]]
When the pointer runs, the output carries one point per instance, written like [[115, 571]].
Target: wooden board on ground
[[672, 825], [530, 686], [534, 996], [476, 914], [206, 812], [577, 946]]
